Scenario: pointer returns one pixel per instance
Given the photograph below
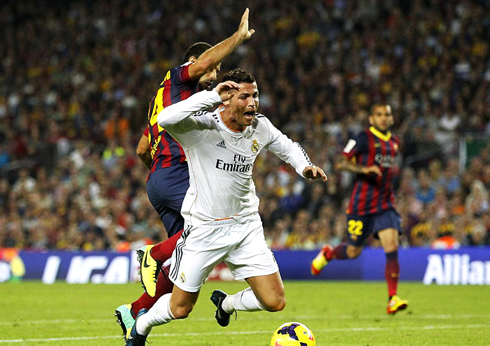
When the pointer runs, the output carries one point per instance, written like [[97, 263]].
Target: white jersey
[[221, 160]]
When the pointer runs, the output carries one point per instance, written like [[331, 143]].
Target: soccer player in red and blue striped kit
[[372, 155], [168, 179]]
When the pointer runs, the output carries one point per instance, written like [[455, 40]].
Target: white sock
[[158, 314], [242, 301]]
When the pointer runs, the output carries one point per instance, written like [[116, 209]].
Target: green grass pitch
[[338, 313]]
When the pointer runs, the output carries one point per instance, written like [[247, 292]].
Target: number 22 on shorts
[[355, 227]]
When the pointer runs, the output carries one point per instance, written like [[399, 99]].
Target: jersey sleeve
[[180, 111], [287, 150], [182, 117], [181, 74], [356, 146], [147, 131]]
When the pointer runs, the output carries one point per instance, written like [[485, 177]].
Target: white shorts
[[240, 243]]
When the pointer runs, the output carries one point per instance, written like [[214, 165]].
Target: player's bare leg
[[389, 240], [175, 305], [265, 293], [269, 290], [353, 251], [182, 302]]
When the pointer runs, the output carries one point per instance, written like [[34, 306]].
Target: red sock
[[164, 286], [163, 250], [392, 272], [340, 252]]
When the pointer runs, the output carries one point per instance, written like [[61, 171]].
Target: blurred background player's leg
[[389, 241]]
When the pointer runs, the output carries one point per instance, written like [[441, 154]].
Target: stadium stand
[[76, 78]]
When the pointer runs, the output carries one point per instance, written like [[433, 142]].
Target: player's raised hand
[[314, 172], [227, 89], [243, 30]]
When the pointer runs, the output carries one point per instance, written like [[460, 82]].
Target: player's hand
[[314, 172], [227, 89], [243, 31], [372, 170]]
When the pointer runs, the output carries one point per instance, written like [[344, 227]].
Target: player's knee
[[275, 304], [181, 311], [354, 251], [391, 247]]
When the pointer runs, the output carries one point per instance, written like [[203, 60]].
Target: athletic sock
[[339, 252], [164, 286], [163, 250], [242, 301], [392, 272], [159, 314]]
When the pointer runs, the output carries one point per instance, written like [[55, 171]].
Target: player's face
[[382, 118], [244, 105], [207, 80]]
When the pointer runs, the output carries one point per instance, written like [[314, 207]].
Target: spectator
[[477, 201], [420, 234], [426, 192], [478, 235]]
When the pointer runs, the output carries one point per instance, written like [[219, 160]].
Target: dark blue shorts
[[166, 191], [361, 227]]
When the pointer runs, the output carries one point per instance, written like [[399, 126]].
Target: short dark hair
[[238, 75], [376, 105], [196, 50]]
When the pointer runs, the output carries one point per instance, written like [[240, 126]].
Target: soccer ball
[[293, 334]]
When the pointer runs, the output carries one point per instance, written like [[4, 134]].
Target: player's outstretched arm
[[183, 110], [314, 172], [346, 165], [216, 54]]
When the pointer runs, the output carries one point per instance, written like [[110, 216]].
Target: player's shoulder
[[261, 120], [180, 73], [209, 117], [395, 138], [362, 136], [204, 113], [181, 67], [359, 141], [173, 71], [261, 124]]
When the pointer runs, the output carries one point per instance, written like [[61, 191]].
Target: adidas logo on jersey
[[221, 144]]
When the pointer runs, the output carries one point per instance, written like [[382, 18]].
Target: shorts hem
[[186, 288], [244, 277]]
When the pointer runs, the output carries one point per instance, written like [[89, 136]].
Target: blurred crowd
[[76, 79]]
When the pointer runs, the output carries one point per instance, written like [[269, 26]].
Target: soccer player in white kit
[[220, 208]]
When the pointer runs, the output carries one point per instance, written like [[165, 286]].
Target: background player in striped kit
[[168, 179], [372, 155], [221, 208]]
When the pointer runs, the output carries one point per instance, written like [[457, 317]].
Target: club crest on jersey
[[255, 146], [182, 277]]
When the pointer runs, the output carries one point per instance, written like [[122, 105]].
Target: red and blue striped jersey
[[177, 86], [372, 194]]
